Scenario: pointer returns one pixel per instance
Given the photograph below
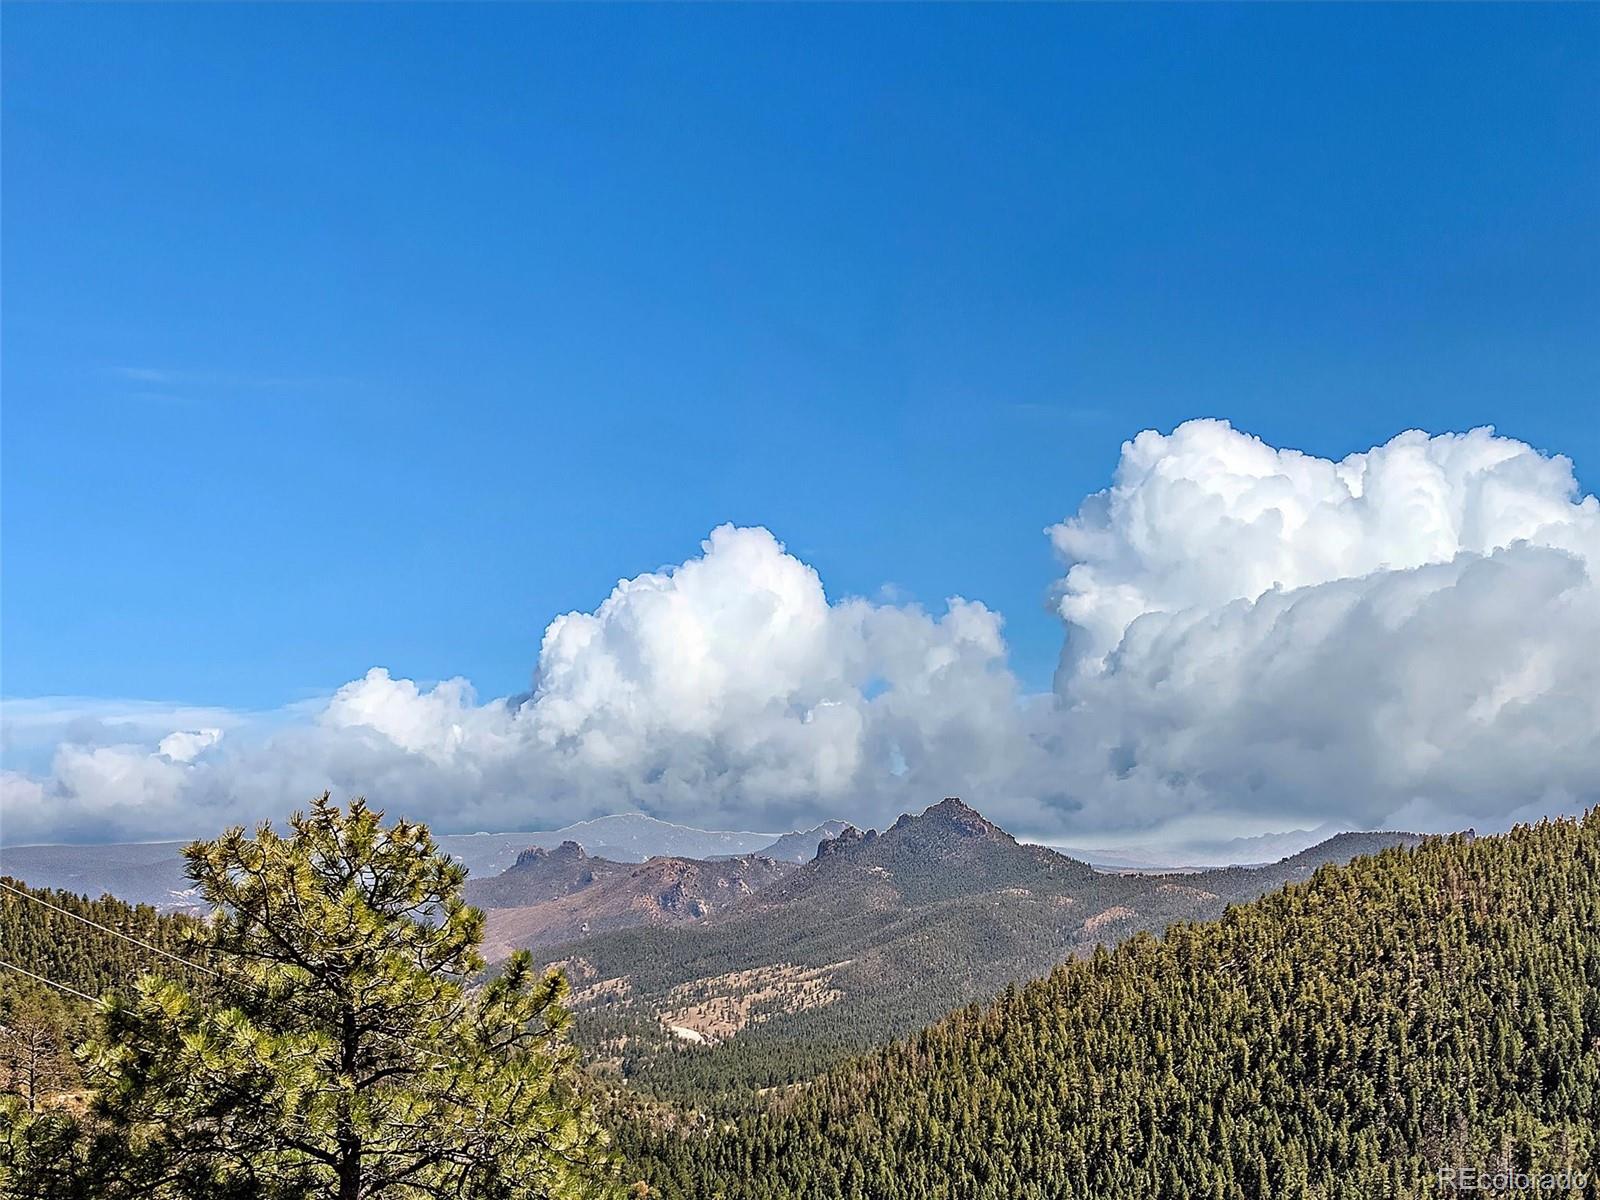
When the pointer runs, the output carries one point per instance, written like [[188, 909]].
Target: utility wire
[[292, 1119], [154, 950], [113, 932], [409, 1045], [63, 987], [415, 1049]]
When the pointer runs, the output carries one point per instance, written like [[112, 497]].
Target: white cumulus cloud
[[1257, 639], [728, 689], [185, 745], [1207, 514], [733, 682], [1410, 635]]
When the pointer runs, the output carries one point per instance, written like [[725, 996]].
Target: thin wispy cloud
[[1057, 414], [180, 379], [144, 374]]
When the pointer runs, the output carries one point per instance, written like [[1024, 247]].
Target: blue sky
[[337, 337]]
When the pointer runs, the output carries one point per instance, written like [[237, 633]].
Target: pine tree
[[34, 1059], [344, 1048]]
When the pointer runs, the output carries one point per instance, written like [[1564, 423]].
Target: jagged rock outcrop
[[544, 900], [848, 839]]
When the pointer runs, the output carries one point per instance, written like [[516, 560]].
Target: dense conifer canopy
[[1339, 1040]]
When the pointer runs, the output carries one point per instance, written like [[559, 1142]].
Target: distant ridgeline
[[1342, 1039]]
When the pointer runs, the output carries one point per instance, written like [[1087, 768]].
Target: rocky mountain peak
[[952, 815], [566, 852]]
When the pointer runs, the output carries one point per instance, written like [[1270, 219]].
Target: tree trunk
[[349, 1139]]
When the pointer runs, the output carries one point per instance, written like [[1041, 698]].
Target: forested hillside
[[1339, 1040], [39, 1024], [36, 935]]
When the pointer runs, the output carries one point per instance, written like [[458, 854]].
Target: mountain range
[[153, 872], [877, 935], [552, 896], [1349, 1036]]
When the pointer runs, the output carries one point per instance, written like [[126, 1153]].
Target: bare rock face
[[949, 819], [541, 875], [679, 900], [536, 856], [554, 896], [957, 817], [847, 837]]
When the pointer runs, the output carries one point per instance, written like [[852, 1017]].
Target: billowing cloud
[[1256, 639], [728, 689], [1432, 697], [1408, 636], [733, 682], [185, 745], [1207, 515]]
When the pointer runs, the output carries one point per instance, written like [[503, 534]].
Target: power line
[[405, 1043], [63, 987], [165, 954], [292, 1119], [156, 950], [106, 928]]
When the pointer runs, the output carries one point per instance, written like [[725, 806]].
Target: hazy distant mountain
[[136, 872], [153, 872], [1225, 852], [802, 847], [634, 837], [486, 854], [1342, 847], [620, 837]]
